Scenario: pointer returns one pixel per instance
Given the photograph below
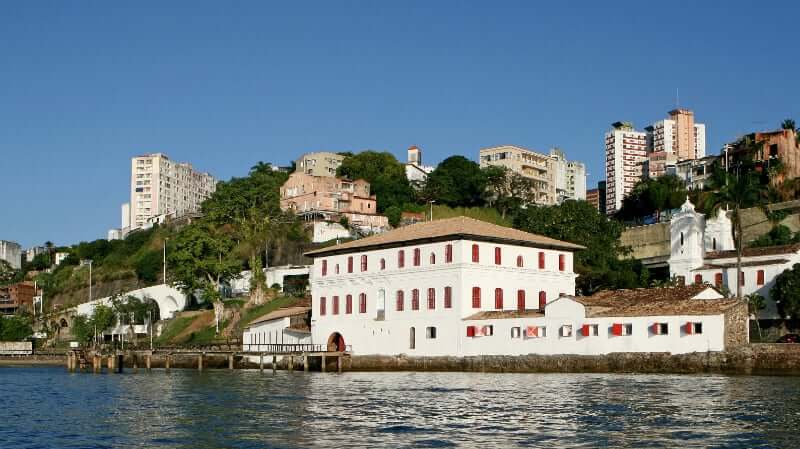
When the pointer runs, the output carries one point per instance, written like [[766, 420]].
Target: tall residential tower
[[626, 151]]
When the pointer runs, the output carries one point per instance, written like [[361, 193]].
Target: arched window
[[383, 264], [476, 297], [542, 299], [322, 306], [335, 305], [432, 259], [401, 259], [412, 344], [448, 297], [362, 303], [417, 257], [760, 277], [718, 279], [520, 261], [476, 255], [541, 260], [561, 262], [348, 304], [498, 298], [324, 267], [400, 300], [363, 262], [415, 299], [448, 253], [349, 264], [520, 299], [498, 255], [681, 238], [714, 243], [337, 268], [431, 298]]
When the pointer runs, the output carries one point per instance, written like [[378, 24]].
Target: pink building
[[331, 198]]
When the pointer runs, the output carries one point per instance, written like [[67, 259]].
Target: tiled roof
[[654, 302], [505, 314], [754, 263], [281, 313], [754, 252], [453, 228]]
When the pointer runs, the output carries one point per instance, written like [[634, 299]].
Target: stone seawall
[[754, 359]]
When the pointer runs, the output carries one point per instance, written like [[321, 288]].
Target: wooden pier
[[80, 359]]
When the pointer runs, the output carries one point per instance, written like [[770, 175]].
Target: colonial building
[[459, 287], [703, 252], [288, 325], [416, 173]]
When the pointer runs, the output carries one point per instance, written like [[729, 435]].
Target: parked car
[[789, 338]]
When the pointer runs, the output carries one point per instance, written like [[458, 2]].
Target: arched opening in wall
[[63, 323], [412, 338], [681, 238], [336, 342], [714, 243]]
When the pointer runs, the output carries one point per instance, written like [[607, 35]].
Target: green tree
[[82, 329], [386, 175], [789, 124], [102, 319], [394, 214], [456, 182], [778, 235], [232, 199], [15, 328], [7, 272], [653, 196], [148, 266], [508, 190], [602, 265], [257, 231], [736, 194], [755, 304], [786, 292]]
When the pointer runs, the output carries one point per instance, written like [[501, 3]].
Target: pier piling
[[230, 361], [261, 363], [274, 363], [166, 362], [323, 363], [305, 361]]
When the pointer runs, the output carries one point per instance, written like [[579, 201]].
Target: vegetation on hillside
[[15, 328], [386, 175]]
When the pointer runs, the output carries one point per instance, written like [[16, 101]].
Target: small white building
[[286, 326], [703, 251], [274, 275]]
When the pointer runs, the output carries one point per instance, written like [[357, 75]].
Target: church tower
[[686, 229]]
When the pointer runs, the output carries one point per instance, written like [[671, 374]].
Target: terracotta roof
[[754, 263], [505, 314], [753, 252], [281, 313], [654, 301], [449, 228]]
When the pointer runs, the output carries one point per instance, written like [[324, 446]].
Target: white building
[[169, 299], [673, 140], [703, 251], [11, 252], [570, 177], [60, 256], [274, 275], [286, 326], [160, 186], [626, 151], [416, 173], [320, 163]]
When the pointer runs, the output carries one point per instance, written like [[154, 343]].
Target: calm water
[[45, 407]]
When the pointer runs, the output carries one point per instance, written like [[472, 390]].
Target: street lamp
[[431, 203], [89, 261], [165, 259]]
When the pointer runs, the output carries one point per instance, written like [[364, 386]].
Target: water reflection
[[46, 407]]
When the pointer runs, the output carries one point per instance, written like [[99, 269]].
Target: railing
[[287, 348]]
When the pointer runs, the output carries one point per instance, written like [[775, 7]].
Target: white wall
[[324, 231], [271, 332], [169, 299]]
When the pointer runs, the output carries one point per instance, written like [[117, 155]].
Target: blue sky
[[86, 85]]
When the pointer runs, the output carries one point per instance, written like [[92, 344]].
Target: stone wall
[[737, 326]]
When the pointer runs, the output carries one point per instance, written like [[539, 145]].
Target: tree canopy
[[232, 199], [652, 196], [15, 328], [456, 182], [786, 292], [507, 190], [386, 175]]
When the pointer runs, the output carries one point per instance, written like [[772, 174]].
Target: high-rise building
[[626, 151], [321, 163], [535, 166], [674, 139], [570, 177], [11, 252], [161, 187]]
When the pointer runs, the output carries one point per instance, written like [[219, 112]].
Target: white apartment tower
[[160, 186], [626, 151], [570, 177]]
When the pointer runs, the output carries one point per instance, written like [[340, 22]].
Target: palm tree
[[755, 303], [788, 124], [736, 194]]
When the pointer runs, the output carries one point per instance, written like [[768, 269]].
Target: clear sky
[[85, 85]]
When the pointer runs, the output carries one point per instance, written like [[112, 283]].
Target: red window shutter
[[364, 262], [689, 328], [476, 255], [541, 260], [498, 256], [348, 304], [470, 331], [362, 303], [560, 262], [448, 253], [760, 277], [383, 264], [585, 330], [655, 328], [400, 300], [476, 297], [335, 305], [416, 257], [520, 299], [350, 264], [324, 267], [520, 261], [718, 279], [322, 306], [542, 299], [616, 329], [431, 298], [698, 279], [433, 259], [415, 299], [448, 297], [401, 259], [498, 298]]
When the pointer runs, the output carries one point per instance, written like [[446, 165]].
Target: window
[[383, 264], [431, 298], [430, 332], [693, 328], [698, 279], [498, 256], [412, 343], [448, 253], [335, 305], [432, 259], [448, 297], [362, 303], [337, 268], [659, 328], [400, 300], [350, 264], [565, 331], [401, 259], [718, 279], [520, 261], [590, 330], [681, 238], [741, 278], [470, 331], [415, 299], [476, 297], [476, 255], [363, 262], [324, 267], [714, 243], [560, 262], [535, 332], [541, 260], [322, 306], [498, 298], [760, 277], [348, 304], [516, 332], [417, 257], [621, 329], [542, 299]]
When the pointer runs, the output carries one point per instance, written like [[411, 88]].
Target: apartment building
[[674, 139], [764, 149], [597, 197], [570, 177], [321, 163], [626, 152], [11, 252], [16, 298], [160, 187], [535, 166]]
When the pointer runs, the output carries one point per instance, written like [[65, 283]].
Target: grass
[[174, 328], [479, 213], [206, 335], [255, 312]]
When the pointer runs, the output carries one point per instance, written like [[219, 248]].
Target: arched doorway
[[336, 342]]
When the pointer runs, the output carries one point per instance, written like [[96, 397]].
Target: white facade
[[325, 231], [114, 234], [570, 177], [60, 258], [11, 252], [169, 299], [416, 173], [125, 221], [626, 151], [160, 186], [274, 275]]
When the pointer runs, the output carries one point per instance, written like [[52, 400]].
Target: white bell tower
[[719, 233], [686, 231]]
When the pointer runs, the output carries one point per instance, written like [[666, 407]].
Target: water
[[46, 407]]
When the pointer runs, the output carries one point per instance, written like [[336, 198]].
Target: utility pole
[[90, 279], [431, 202], [165, 260]]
